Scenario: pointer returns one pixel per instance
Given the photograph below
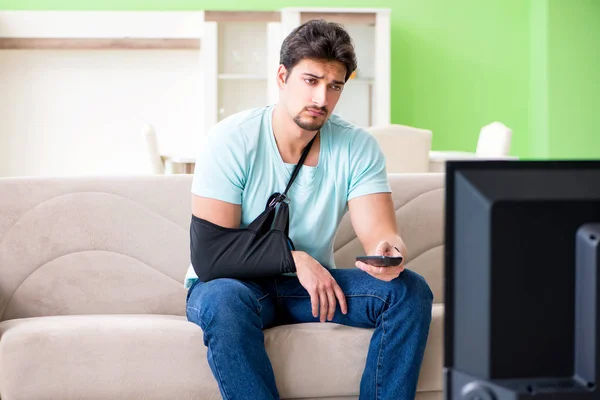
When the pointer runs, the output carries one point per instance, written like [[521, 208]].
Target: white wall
[[73, 112]]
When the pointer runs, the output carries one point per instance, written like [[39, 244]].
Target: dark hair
[[319, 40]]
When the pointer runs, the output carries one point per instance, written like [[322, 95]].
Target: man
[[249, 156]]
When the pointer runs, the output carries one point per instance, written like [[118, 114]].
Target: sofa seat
[[163, 356]]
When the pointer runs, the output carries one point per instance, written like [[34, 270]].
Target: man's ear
[[282, 74]]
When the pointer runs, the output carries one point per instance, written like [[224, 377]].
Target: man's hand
[[383, 273], [321, 286]]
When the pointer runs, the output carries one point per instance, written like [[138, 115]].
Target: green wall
[[565, 79], [458, 65], [574, 79], [538, 107]]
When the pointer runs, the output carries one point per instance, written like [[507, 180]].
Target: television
[[522, 280]]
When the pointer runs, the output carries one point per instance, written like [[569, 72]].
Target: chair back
[[156, 162], [494, 140], [406, 149]]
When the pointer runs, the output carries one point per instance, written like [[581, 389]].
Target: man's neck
[[290, 138]]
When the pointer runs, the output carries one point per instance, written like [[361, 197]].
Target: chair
[[494, 140], [493, 144], [156, 161], [406, 149]]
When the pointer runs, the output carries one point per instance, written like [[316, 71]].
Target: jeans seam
[[193, 308], [379, 355], [258, 301], [369, 295], [261, 298], [226, 395]]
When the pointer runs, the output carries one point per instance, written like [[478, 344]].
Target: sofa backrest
[[120, 244]]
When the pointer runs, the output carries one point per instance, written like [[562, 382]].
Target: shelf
[[242, 16], [340, 18], [248, 77]]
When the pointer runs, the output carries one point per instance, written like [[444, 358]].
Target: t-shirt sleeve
[[220, 170], [367, 167]]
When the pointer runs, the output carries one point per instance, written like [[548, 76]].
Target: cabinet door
[[242, 67], [239, 66]]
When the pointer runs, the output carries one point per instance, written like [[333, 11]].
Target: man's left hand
[[383, 273]]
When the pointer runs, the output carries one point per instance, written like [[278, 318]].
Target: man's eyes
[[312, 81]]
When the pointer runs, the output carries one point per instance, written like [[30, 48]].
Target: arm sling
[[262, 249]]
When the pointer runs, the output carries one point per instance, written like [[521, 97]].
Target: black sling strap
[[262, 249], [281, 221], [283, 196]]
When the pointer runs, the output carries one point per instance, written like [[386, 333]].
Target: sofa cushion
[[161, 356]]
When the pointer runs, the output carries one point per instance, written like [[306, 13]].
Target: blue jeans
[[233, 314]]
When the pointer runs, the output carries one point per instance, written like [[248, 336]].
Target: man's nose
[[320, 96]]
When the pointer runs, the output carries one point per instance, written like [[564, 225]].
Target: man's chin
[[310, 125]]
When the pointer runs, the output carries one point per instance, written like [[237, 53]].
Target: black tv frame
[[458, 385]]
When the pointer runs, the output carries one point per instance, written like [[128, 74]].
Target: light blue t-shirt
[[239, 163]]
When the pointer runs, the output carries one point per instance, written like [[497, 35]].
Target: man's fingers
[[380, 272], [323, 302], [341, 298], [331, 299], [382, 248], [370, 268], [314, 303]]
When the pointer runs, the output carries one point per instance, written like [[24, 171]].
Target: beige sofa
[[92, 303]]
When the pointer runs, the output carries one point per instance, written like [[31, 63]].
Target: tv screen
[[521, 278]]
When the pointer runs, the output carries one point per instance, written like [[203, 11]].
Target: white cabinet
[[366, 98], [240, 57], [180, 71], [238, 64]]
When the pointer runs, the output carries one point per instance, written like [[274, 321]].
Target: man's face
[[310, 91]]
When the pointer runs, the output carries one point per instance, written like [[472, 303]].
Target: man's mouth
[[315, 112]]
